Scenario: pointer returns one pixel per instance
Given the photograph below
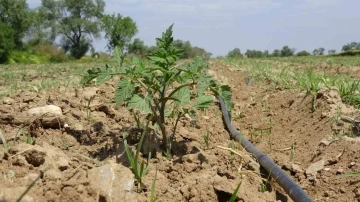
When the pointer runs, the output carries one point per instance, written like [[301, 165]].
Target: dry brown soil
[[69, 150]]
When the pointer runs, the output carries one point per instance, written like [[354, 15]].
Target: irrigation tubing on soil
[[295, 192]]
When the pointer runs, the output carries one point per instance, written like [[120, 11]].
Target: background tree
[[40, 32], [315, 52], [235, 53], [7, 43], [321, 51], [137, 47], [276, 53], [266, 53], [185, 46], [253, 54], [286, 51], [303, 53], [16, 14], [76, 21], [351, 46], [197, 51], [119, 30], [331, 52]]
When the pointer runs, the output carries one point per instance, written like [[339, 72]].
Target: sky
[[219, 26]]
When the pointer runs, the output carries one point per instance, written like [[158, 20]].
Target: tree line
[[70, 27], [286, 51]]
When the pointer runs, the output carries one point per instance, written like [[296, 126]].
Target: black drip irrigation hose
[[295, 192]]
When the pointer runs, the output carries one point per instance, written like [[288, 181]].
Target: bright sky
[[222, 25]]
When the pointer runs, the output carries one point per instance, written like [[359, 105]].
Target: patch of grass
[[303, 73], [207, 139]]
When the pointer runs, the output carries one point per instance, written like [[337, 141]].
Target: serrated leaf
[[203, 84], [140, 103], [104, 75], [182, 96], [91, 74], [118, 55], [203, 101], [124, 91], [226, 95]]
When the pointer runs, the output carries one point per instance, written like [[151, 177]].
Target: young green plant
[[163, 86], [138, 169]]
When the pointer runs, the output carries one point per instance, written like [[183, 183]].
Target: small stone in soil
[[351, 164], [340, 171]]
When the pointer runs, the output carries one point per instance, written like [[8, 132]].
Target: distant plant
[[234, 53], [286, 51], [163, 89], [303, 53]]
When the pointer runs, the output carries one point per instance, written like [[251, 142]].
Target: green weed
[[138, 169], [152, 191], [234, 195], [207, 139]]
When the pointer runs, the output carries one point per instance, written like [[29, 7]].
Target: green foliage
[[163, 86], [254, 54], [7, 43], [351, 46], [75, 21], [54, 53], [16, 14], [118, 30], [27, 57], [152, 195], [137, 47], [331, 52], [276, 53], [286, 51], [234, 195], [348, 53], [303, 53], [319, 51], [38, 32], [138, 169], [236, 53]]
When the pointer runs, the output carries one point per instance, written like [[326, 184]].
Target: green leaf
[[91, 74], [140, 103], [203, 101], [203, 84], [167, 112], [118, 55], [182, 96], [226, 95], [104, 75], [234, 195], [125, 89]]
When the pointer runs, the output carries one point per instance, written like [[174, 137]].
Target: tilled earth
[[76, 152]]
